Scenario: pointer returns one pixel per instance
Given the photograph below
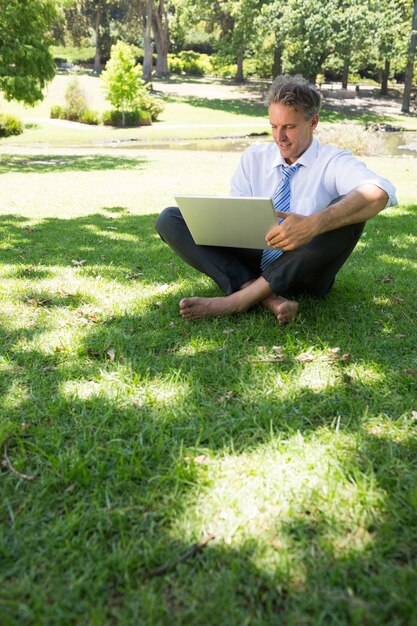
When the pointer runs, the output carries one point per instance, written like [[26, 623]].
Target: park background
[[226, 471]]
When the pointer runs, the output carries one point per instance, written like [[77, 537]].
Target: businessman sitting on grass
[[322, 195]]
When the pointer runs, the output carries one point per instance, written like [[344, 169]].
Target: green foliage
[[57, 112], [124, 87], [26, 64], [75, 109], [190, 62], [153, 107], [126, 118], [89, 117], [75, 100], [10, 125], [222, 66], [73, 54], [122, 80]]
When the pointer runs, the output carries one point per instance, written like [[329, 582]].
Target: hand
[[293, 232]]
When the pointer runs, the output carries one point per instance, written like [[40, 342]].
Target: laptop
[[228, 221]]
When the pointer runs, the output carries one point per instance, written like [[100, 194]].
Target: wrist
[[317, 223]]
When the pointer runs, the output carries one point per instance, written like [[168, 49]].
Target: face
[[291, 131]]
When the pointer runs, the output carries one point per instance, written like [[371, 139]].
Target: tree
[[122, 79], [388, 30], [235, 26], [160, 27], [26, 64], [271, 31], [310, 40], [351, 20], [139, 18], [97, 16], [408, 82]]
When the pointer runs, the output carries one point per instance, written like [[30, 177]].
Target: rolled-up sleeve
[[351, 173]]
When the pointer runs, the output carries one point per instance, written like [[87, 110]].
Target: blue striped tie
[[282, 202]]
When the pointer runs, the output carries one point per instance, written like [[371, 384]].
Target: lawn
[[221, 472]]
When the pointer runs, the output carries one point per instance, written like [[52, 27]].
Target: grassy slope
[[146, 434]]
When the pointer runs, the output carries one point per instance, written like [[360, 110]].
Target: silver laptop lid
[[228, 221]]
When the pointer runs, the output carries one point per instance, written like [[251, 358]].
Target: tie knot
[[289, 170]]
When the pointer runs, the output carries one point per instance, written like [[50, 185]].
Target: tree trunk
[[239, 78], [97, 58], [277, 65], [147, 42], [385, 77], [161, 37], [408, 82], [345, 74]]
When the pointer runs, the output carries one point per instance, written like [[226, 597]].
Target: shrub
[[222, 68], [175, 65], [75, 101], [57, 112], [189, 62], [10, 125], [73, 54], [90, 117], [126, 118], [150, 105], [121, 78]]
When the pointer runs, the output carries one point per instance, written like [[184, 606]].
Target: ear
[[314, 121]]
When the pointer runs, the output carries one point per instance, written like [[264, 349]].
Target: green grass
[[145, 433], [295, 447]]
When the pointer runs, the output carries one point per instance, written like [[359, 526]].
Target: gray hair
[[296, 93]]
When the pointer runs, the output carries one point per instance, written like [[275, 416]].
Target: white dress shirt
[[326, 174]]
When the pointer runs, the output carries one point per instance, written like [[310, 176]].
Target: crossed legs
[[310, 269]]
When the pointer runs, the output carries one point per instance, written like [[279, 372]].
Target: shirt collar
[[307, 158]]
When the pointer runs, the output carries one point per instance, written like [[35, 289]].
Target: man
[[323, 197]]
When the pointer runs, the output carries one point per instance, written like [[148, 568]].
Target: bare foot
[[238, 302], [284, 310], [199, 308]]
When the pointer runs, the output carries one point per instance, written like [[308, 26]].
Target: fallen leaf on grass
[[87, 318], [388, 278], [94, 354], [305, 357], [36, 302], [198, 460], [227, 396], [78, 263], [133, 276], [333, 354]]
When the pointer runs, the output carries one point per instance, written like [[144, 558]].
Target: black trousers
[[310, 269]]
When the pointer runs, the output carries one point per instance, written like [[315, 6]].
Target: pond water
[[402, 143], [395, 143]]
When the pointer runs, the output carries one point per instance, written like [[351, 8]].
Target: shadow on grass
[[72, 163], [110, 438], [336, 115]]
